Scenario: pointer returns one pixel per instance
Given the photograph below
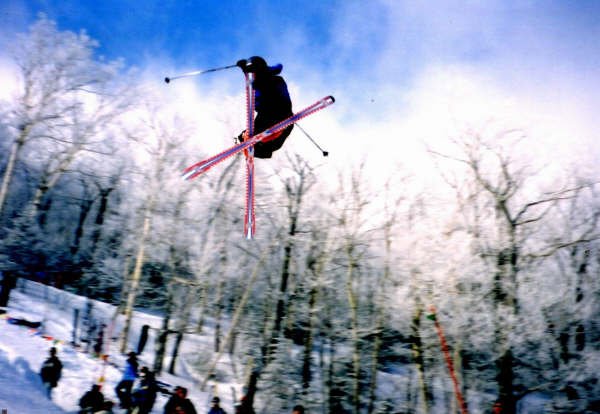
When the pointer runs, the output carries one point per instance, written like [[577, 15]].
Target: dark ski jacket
[[184, 404], [51, 371], [145, 395], [92, 401], [272, 105], [272, 99]]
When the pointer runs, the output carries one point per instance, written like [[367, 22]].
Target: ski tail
[[249, 216], [201, 167]]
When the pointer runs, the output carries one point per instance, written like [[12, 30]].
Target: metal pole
[[197, 72], [325, 153]]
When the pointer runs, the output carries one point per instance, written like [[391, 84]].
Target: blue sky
[[389, 41], [377, 57]]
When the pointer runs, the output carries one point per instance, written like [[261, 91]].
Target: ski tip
[[189, 174], [331, 98]]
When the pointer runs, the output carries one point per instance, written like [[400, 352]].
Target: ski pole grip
[[167, 80]]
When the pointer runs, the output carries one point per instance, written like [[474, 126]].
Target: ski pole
[[197, 72], [325, 153]]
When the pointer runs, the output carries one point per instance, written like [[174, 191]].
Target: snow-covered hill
[[23, 349]]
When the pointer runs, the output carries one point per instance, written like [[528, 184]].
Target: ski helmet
[[257, 64]]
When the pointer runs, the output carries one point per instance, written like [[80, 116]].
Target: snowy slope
[[20, 357], [22, 351]]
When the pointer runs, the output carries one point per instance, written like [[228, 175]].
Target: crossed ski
[[201, 167], [249, 214], [248, 148]]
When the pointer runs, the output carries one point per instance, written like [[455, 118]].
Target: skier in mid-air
[[267, 94], [272, 104]]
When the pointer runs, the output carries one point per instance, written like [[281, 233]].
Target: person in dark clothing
[[244, 406], [123, 388], [107, 408], [216, 409], [298, 409], [272, 104], [51, 371], [179, 403], [92, 401], [99, 345], [24, 322], [144, 396], [143, 339]]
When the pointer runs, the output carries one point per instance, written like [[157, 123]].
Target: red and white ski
[[248, 148], [249, 215], [200, 167]]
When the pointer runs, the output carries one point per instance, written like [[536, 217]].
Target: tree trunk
[[175, 352], [235, 319], [375, 362], [161, 339], [135, 278], [84, 210], [99, 220], [49, 179], [417, 349], [43, 209], [219, 311], [356, 348], [9, 281], [308, 342], [506, 397], [505, 290], [120, 310], [248, 402], [285, 274], [10, 166], [333, 393], [182, 326], [283, 285], [379, 326], [202, 306]]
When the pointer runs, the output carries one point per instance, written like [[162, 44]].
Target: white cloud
[[446, 101], [8, 79]]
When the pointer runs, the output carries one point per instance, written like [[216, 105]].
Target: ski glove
[[242, 63]]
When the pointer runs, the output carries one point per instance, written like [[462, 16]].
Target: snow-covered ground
[[22, 351]]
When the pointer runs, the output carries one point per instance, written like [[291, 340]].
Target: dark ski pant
[[48, 386], [266, 149], [123, 391]]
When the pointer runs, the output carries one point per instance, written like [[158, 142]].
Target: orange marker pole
[[459, 397]]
